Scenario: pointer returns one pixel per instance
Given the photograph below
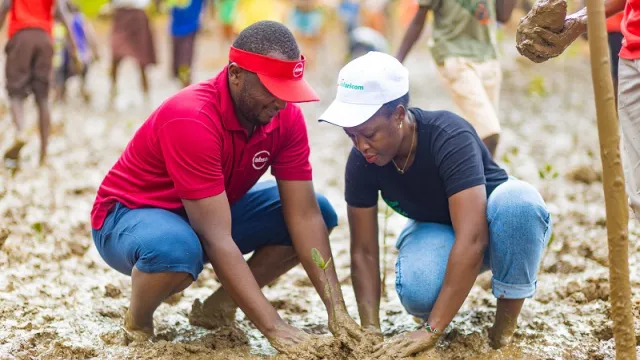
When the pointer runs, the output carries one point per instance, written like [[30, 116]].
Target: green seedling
[[37, 227], [537, 87], [547, 172], [319, 261]]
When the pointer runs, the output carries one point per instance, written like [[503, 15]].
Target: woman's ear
[[399, 114]]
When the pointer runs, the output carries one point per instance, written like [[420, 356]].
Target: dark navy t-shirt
[[450, 157]]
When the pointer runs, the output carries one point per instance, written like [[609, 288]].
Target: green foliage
[[319, 260], [548, 172], [37, 227], [536, 86]]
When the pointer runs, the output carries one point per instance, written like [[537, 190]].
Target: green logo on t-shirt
[[396, 207], [351, 86]]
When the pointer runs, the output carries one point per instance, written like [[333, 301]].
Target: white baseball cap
[[364, 85]]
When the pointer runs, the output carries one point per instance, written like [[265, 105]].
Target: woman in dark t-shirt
[[465, 214]]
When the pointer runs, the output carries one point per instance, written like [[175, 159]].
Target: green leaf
[[317, 258], [37, 227], [327, 264], [555, 174], [548, 168], [505, 158], [541, 174]]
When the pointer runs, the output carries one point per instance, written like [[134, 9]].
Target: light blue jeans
[[519, 230]]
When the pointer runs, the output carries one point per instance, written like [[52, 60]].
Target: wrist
[[270, 330], [435, 326]]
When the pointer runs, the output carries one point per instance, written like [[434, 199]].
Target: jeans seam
[[399, 278]]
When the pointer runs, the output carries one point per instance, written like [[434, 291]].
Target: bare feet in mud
[[501, 336], [12, 155], [212, 315], [135, 333]]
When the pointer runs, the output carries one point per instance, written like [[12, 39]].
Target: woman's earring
[[400, 127]]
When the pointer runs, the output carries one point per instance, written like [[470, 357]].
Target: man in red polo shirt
[[540, 44], [28, 64], [184, 193]]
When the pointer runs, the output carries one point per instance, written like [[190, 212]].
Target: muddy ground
[[59, 300]]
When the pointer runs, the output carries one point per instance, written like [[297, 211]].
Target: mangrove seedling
[[319, 260]]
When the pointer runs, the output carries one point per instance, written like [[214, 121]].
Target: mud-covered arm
[[211, 220], [504, 8], [4, 11], [468, 216], [546, 31], [308, 230], [365, 263], [413, 32]]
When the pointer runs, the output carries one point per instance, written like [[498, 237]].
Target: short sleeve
[[361, 184], [292, 160], [192, 154], [458, 158]]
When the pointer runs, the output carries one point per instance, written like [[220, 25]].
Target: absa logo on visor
[[260, 159], [298, 69]]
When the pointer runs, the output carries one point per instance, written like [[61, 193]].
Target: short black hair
[[388, 108], [266, 37]]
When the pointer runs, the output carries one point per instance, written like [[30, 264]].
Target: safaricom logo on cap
[[351, 86]]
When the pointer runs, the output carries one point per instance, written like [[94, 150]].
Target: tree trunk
[[613, 183]]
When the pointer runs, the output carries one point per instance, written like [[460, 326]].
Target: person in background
[[64, 67], [465, 52], [364, 39], [226, 11], [131, 36], [29, 65], [465, 214], [185, 24], [540, 44], [614, 33], [307, 19]]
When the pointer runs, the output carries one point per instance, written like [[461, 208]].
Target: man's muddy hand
[[405, 345], [545, 32], [343, 324], [286, 338]]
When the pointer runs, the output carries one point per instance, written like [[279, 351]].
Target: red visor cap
[[283, 78]]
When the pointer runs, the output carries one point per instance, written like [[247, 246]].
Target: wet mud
[[59, 299]]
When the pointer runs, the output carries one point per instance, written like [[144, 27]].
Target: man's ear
[[235, 74]]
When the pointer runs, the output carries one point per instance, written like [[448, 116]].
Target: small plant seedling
[[547, 172], [536, 86], [319, 261]]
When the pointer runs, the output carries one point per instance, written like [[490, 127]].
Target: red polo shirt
[[193, 147], [631, 31]]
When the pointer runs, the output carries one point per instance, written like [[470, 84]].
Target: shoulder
[[442, 124], [198, 102]]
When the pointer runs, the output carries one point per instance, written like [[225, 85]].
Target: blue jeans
[[519, 230], [158, 240]]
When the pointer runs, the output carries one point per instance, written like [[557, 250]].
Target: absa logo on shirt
[[260, 159]]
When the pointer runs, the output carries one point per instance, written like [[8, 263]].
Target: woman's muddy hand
[[405, 345], [342, 323], [285, 338]]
